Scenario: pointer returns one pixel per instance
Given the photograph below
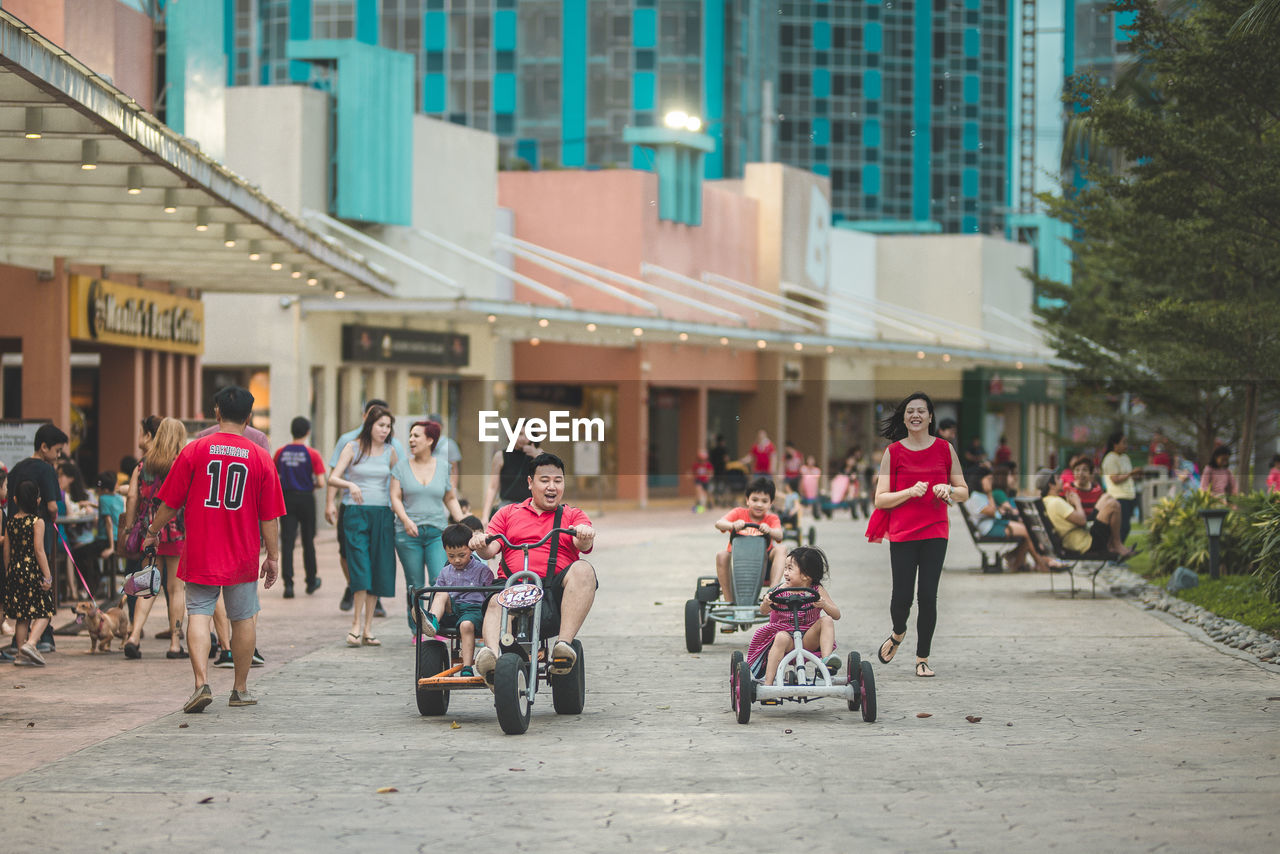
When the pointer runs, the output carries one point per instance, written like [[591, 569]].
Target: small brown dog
[[103, 625]]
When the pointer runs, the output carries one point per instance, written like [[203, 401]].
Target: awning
[[149, 202]]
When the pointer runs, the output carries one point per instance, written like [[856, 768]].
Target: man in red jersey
[[229, 491]]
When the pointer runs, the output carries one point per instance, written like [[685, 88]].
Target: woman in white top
[[1118, 477], [364, 470]]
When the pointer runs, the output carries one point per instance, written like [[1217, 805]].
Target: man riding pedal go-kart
[[570, 582]]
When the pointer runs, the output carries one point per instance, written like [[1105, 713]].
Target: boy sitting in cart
[[463, 570], [760, 493]]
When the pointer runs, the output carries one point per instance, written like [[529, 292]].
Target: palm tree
[[1261, 16]]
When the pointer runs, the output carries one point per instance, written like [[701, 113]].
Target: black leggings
[[906, 558]]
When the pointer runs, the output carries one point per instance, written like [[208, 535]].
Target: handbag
[[133, 539], [146, 582]]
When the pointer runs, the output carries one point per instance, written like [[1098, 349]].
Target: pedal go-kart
[[523, 658], [802, 676], [791, 531], [749, 570]]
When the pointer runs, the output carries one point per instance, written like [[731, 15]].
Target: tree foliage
[[1176, 271]]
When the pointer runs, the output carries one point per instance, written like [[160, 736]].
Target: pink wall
[[610, 218], [111, 39]]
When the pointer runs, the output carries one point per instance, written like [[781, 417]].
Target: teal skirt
[[371, 550]]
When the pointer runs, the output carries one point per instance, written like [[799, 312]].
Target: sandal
[[353, 639], [370, 640], [893, 650], [923, 669]]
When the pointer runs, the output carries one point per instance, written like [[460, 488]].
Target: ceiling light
[[170, 200], [295, 273], [676, 119], [799, 346], [591, 327], [339, 294], [830, 349], [684, 336], [694, 124], [88, 154], [229, 235], [312, 280], [761, 343], [946, 357], [724, 342], [637, 332], [35, 123], [534, 342], [276, 263], [544, 323], [1018, 365], [919, 354], [202, 219], [255, 250], [493, 318], [134, 181]]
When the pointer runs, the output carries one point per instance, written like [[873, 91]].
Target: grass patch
[[1237, 597]]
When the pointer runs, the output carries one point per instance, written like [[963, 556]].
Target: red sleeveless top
[[919, 518]]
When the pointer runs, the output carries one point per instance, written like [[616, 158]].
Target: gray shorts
[[241, 599]]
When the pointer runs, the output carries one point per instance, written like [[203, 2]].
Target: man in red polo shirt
[[572, 582], [229, 491]]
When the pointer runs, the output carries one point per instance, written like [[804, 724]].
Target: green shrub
[[1260, 542], [1250, 536]]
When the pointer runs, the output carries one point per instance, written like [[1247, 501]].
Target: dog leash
[[71, 558]]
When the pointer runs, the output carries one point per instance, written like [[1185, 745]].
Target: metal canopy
[[114, 215]]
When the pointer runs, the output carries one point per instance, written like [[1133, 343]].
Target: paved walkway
[[1104, 728]]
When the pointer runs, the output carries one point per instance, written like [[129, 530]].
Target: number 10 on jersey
[[228, 492]]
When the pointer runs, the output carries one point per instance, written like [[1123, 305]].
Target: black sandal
[[893, 650], [928, 671]]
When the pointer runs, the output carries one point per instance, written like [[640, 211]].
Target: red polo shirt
[[524, 523]]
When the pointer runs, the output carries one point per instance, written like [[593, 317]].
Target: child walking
[[805, 567], [28, 594]]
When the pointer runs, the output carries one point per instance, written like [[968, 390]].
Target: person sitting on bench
[[1068, 518]]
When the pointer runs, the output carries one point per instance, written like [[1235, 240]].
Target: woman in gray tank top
[[364, 471]]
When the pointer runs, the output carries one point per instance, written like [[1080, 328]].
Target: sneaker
[[313, 585], [30, 653], [214, 650], [242, 698], [5, 655], [563, 657], [257, 660], [347, 602], [486, 663], [466, 673], [224, 659], [833, 663], [201, 698], [46, 646], [378, 610], [288, 591], [433, 625]]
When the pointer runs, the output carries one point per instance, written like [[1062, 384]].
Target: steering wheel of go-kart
[[793, 598], [745, 525]]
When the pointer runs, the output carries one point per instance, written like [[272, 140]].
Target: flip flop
[[923, 669], [370, 640], [893, 650], [353, 639]]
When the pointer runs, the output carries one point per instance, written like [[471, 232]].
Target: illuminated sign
[[107, 312]]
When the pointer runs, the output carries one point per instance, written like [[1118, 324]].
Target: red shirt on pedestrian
[[763, 456], [226, 486], [702, 472], [923, 518], [524, 523]]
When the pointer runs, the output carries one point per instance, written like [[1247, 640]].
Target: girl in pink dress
[[805, 567]]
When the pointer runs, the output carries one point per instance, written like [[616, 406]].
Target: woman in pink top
[[1273, 476], [920, 477]]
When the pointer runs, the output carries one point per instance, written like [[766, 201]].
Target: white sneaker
[[486, 663], [30, 653]]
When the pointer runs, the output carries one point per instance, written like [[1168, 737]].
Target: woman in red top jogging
[[920, 477]]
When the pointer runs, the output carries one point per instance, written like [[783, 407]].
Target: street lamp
[[1213, 519]]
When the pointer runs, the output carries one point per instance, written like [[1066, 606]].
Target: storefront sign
[[404, 346], [108, 312]]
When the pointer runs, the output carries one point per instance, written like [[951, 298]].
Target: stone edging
[[1128, 584]]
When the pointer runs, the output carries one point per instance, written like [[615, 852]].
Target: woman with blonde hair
[[144, 485]]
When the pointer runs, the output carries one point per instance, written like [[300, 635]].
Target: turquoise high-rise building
[[908, 106]]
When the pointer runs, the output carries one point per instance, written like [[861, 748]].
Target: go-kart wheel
[[511, 694], [734, 660], [867, 686], [813, 535], [708, 629], [855, 680], [693, 625], [743, 692], [432, 658], [569, 690]]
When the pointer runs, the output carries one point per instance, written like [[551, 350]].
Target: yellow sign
[[108, 312]]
